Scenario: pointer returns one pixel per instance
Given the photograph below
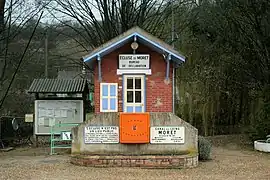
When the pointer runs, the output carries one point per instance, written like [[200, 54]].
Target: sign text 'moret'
[[167, 135]]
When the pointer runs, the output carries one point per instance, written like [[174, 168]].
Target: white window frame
[[109, 97], [134, 104]]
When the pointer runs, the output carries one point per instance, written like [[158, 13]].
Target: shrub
[[260, 126], [205, 148]]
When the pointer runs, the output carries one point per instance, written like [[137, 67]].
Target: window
[[108, 97], [134, 93]]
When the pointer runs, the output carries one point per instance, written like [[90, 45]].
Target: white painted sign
[[101, 134], [29, 118], [66, 135], [134, 61], [167, 135]]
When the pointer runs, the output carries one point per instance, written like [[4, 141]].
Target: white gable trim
[[130, 36]]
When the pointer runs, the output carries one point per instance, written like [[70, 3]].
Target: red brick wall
[[158, 92]]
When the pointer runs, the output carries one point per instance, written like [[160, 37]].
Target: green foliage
[[227, 45], [260, 128], [226, 42], [205, 148]]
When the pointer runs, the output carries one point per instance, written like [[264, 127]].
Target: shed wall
[[159, 96]]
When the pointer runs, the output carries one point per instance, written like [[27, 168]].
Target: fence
[[61, 136]]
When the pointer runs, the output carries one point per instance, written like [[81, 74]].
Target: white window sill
[[134, 71], [108, 111]]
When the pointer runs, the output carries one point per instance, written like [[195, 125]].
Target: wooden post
[[35, 138], [46, 55], [168, 67]]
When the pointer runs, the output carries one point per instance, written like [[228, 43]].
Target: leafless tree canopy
[[14, 15], [101, 20]]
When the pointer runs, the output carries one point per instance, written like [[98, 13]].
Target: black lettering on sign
[[125, 57], [166, 132]]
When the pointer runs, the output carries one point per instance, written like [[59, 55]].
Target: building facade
[[134, 73]]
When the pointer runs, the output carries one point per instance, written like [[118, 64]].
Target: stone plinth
[[182, 161], [186, 150]]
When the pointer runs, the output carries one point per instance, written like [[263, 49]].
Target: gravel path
[[226, 164]]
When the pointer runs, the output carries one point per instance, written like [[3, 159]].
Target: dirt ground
[[230, 160]]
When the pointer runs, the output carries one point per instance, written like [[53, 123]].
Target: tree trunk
[[204, 116], [2, 15], [2, 27], [190, 107]]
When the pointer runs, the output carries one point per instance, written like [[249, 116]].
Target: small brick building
[[134, 72]]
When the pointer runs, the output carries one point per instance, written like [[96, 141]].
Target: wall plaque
[[101, 134], [66, 135], [167, 135], [134, 61]]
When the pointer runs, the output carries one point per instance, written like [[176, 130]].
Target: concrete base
[[182, 161], [156, 119], [261, 145]]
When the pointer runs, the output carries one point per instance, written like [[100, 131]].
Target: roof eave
[[127, 35]]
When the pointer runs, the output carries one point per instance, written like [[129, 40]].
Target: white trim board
[[134, 71]]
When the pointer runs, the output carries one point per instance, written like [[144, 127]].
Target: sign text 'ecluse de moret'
[[134, 61]]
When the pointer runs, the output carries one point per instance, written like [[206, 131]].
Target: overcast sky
[[31, 5]]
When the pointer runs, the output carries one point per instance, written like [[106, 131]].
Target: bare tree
[[14, 16], [101, 20]]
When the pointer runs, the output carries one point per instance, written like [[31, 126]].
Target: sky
[[21, 12]]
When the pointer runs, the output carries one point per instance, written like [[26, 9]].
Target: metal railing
[[61, 136]]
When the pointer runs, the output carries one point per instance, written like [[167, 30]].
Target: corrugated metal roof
[[58, 86]]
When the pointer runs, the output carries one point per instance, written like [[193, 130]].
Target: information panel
[[167, 135], [134, 61], [101, 134], [51, 112]]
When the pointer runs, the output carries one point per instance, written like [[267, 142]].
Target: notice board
[[51, 112]]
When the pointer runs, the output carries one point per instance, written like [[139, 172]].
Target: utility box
[[134, 127]]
